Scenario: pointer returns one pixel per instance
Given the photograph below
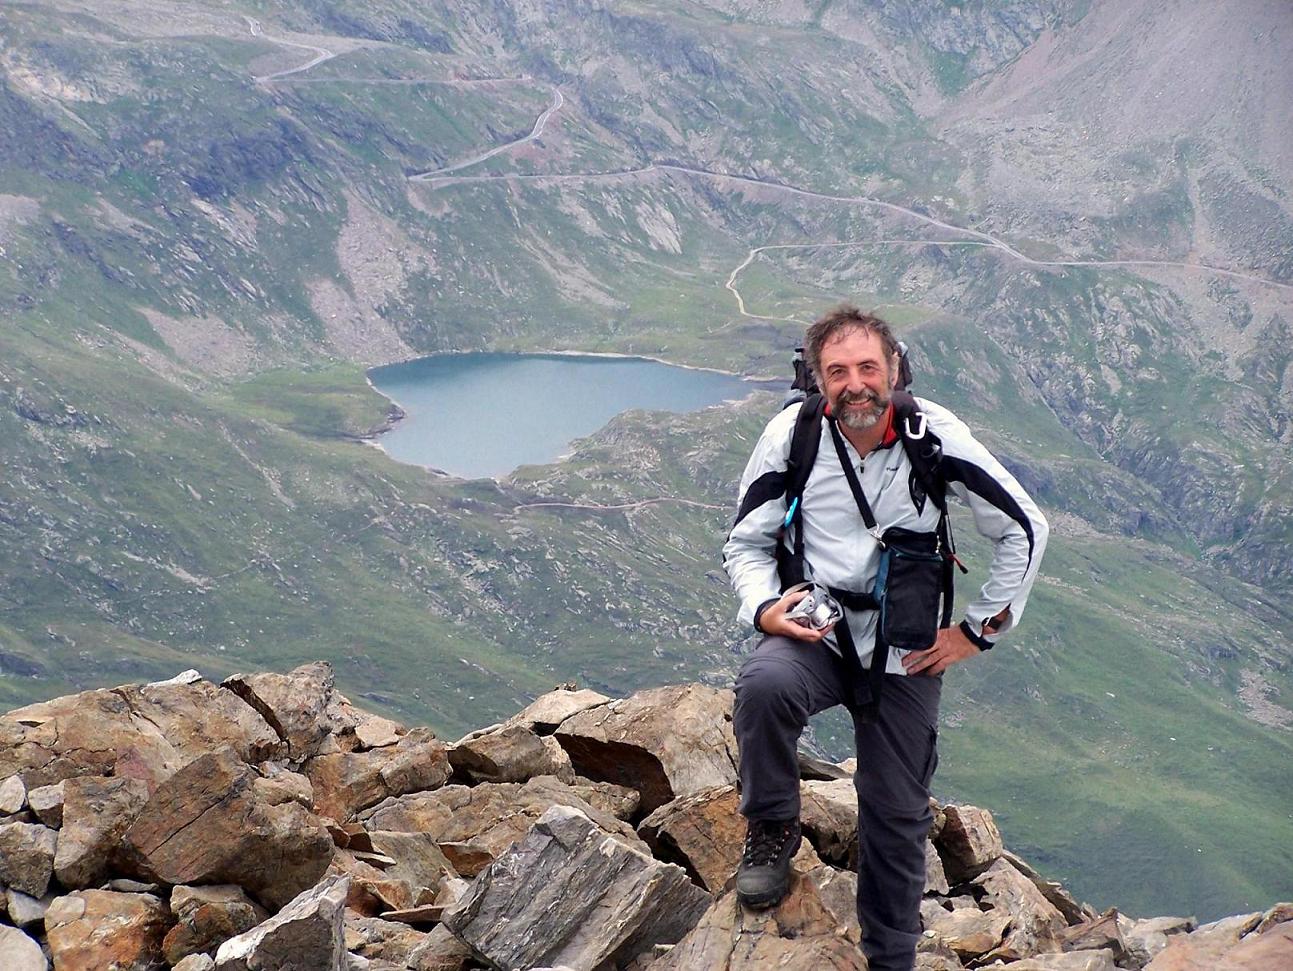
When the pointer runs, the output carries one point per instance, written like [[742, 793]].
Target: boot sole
[[762, 901]]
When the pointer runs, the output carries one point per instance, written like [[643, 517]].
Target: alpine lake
[[478, 415]]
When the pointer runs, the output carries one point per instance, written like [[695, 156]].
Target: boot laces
[[764, 842]]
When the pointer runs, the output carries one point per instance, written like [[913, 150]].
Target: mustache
[[865, 396]]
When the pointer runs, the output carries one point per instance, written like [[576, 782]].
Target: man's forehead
[[853, 343]]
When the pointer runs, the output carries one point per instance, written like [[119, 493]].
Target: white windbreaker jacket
[[838, 549]]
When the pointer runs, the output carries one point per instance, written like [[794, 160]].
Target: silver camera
[[818, 610]]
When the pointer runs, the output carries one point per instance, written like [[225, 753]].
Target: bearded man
[[863, 498]]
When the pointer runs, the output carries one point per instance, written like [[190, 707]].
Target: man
[[797, 671]]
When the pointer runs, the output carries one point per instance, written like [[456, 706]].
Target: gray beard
[[858, 420], [861, 420]]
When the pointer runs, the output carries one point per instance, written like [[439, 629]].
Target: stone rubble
[[267, 822]]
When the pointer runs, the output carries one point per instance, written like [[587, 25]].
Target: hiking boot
[[764, 875]]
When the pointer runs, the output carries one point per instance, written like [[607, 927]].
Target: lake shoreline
[[399, 412]]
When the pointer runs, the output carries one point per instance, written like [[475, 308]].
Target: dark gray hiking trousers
[[780, 685]]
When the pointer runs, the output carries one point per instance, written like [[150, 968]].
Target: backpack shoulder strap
[[924, 449], [804, 440], [803, 445]]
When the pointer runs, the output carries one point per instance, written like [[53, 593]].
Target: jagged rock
[[97, 811], [374, 731], [345, 783], [829, 815], [372, 892], [18, 952], [666, 742], [27, 857], [935, 877], [1074, 912], [1145, 938], [206, 917], [838, 890], [13, 796], [819, 770], [1103, 933], [25, 910], [381, 940], [417, 858], [487, 818], [1035, 923], [799, 934], [102, 930], [143, 732], [510, 753], [205, 825], [1206, 946], [196, 962], [277, 785], [967, 933], [1074, 961], [546, 712], [620, 801], [969, 842], [47, 803], [703, 832], [1278, 914], [572, 893], [303, 706], [308, 933], [937, 958], [440, 950]]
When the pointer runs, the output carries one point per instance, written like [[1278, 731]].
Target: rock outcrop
[[268, 823]]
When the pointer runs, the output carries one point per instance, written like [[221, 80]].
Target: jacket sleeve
[[749, 555], [1004, 513]]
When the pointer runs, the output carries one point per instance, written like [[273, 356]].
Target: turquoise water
[[477, 415]]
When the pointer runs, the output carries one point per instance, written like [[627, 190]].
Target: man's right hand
[[773, 620]]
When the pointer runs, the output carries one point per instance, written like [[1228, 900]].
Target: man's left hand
[[950, 647]]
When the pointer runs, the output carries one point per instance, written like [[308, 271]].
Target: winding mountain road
[[435, 175], [321, 54], [445, 177]]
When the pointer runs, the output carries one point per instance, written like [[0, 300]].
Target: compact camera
[[818, 610]]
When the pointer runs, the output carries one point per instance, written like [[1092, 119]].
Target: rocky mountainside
[[268, 823], [214, 215]]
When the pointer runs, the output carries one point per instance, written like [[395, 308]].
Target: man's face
[[857, 377]]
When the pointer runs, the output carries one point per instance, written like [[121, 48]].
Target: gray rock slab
[[27, 857], [18, 952], [572, 893], [306, 935]]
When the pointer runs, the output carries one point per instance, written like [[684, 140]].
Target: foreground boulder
[[206, 825], [487, 818], [343, 783], [96, 813], [144, 732], [800, 934], [571, 893], [18, 952], [206, 917], [101, 930], [306, 935], [27, 857], [665, 742], [247, 809]]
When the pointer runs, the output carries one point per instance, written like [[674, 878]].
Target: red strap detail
[[890, 433]]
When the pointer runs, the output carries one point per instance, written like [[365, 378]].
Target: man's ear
[[895, 369]]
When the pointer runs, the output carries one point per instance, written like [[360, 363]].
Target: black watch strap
[[975, 638], [758, 613]]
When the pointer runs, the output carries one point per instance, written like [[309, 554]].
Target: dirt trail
[[321, 54]]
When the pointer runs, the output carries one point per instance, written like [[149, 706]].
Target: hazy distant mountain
[[212, 216]]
